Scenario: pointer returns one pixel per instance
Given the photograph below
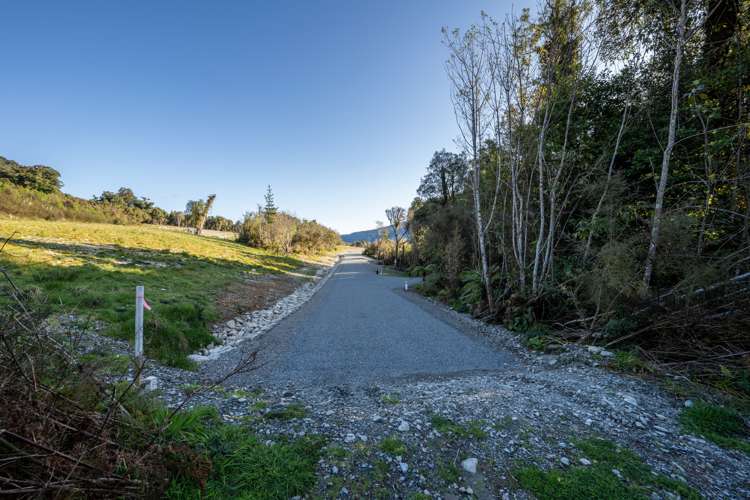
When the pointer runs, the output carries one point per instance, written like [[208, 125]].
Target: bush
[[285, 233], [472, 288], [719, 424], [25, 202], [37, 178]]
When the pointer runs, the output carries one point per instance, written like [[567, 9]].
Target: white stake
[[138, 330], [406, 286]]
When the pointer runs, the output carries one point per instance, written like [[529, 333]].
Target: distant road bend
[[362, 327]]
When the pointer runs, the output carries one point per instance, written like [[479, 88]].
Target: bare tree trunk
[[663, 177], [480, 235], [542, 215], [466, 70], [609, 178], [478, 207], [547, 266], [202, 218], [708, 182]]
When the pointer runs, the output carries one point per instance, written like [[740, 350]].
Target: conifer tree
[[270, 209]]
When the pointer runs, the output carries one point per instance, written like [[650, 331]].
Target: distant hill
[[369, 235]]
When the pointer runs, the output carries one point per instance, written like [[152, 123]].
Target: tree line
[[35, 191], [602, 167]]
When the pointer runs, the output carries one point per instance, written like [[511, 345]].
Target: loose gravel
[[530, 408]]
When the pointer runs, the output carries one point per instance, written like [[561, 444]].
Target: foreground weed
[[448, 472], [390, 399], [719, 424], [289, 412], [448, 427], [615, 473], [630, 362], [393, 446], [108, 364], [245, 467]]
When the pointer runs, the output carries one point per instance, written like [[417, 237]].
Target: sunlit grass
[[93, 269]]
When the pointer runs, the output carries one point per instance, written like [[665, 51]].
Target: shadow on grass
[[99, 280]]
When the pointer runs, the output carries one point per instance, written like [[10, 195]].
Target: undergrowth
[[722, 425], [615, 473], [243, 466]]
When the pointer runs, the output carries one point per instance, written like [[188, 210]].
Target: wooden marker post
[[138, 332]]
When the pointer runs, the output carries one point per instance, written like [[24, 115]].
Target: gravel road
[[362, 327], [362, 361]]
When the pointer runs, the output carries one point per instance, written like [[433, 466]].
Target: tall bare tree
[[467, 71], [679, 46], [397, 219]]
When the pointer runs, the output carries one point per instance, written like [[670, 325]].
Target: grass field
[[92, 270]]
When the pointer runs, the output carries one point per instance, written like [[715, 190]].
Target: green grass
[[289, 412], [191, 389], [419, 496], [630, 362], [390, 399], [448, 472], [719, 424], [108, 364], [393, 446], [93, 269], [503, 424], [259, 405], [242, 465], [448, 427], [245, 467], [337, 452], [599, 480]]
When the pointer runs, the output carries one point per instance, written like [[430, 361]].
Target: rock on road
[[361, 327]]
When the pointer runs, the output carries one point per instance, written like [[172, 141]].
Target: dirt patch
[[253, 294]]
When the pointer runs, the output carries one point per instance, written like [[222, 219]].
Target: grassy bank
[[92, 270]]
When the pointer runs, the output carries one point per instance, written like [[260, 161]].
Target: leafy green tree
[[36, 177], [219, 223], [445, 177]]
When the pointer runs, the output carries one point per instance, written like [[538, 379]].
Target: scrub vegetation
[[67, 433]]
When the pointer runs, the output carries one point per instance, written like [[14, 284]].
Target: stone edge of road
[[218, 351]]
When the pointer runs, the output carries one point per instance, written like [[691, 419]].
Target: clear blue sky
[[338, 105]]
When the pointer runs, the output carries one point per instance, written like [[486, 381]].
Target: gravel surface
[[363, 361], [358, 329]]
